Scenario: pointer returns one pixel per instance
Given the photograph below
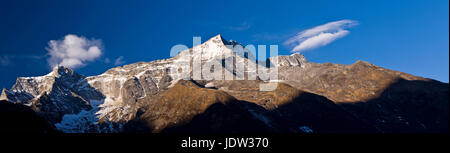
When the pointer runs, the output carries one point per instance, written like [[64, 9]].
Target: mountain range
[[309, 97]]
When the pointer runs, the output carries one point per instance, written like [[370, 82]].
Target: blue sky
[[408, 36]]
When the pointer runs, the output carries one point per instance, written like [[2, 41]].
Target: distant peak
[[296, 54], [295, 59], [3, 95]]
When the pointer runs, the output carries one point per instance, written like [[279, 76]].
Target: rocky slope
[[189, 107], [310, 97]]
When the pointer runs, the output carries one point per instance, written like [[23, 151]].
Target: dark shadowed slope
[[17, 118], [406, 107]]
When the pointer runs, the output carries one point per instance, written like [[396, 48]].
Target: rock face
[[292, 60], [309, 97], [60, 92]]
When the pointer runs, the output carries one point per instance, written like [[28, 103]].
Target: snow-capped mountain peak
[[59, 71], [118, 91], [216, 39]]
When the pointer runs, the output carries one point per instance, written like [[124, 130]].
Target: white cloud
[[320, 35], [119, 61], [73, 51]]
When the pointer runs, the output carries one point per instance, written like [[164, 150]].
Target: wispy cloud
[[119, 61], [73, 51], [8, 59], [106, 60], [4, 60], [240, 27], [269, 37], [320, 35]]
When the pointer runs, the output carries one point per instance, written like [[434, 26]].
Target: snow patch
[[305, 129]]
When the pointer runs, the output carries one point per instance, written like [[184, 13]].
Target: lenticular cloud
[[320, 35]]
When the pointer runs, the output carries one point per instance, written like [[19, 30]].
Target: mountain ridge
[[121, 95]]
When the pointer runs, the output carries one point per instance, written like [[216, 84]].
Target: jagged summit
[[211, 49], [218, 39], [59, 71]]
